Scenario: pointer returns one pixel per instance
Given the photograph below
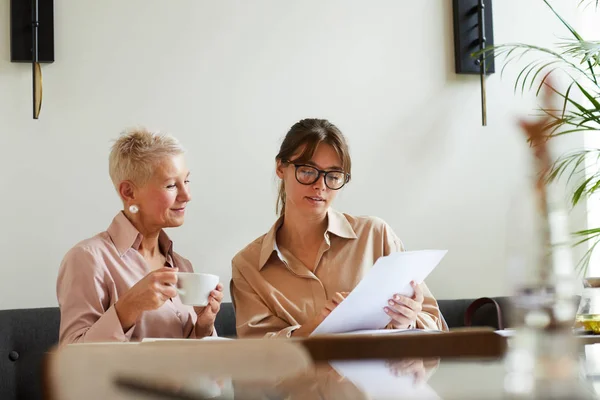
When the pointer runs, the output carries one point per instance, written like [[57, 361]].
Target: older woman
[[120, 284], [287, 281]]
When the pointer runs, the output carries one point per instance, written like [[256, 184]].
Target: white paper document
[[207, 338], [376, 379], [506, 332], [391, 331], [363, 308]]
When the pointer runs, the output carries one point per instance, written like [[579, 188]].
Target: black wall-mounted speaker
[[21, 17], [467, 34]]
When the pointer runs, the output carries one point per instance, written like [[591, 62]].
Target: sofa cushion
[[454, 312], [225, 322], [25, 335]]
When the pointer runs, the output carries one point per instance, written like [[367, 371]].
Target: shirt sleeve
[[430, 316], [193, 334], [253, 317], [85, 311]]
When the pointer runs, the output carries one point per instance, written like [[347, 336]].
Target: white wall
[[229, 78]]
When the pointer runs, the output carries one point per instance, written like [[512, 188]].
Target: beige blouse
[[97, 271], [274, 293]]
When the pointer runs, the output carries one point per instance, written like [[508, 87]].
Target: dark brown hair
[[308, 134]]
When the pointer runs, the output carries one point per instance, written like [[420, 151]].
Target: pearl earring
[[133, 209]]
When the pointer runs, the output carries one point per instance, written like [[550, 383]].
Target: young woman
[[287, 281]]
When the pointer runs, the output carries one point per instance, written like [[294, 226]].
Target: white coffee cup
[[194, 288]]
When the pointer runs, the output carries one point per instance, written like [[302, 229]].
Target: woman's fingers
[[399, 319], [338, 298], [418, 295], [167, 291], [217, 295], [214, 305], [406, 302]]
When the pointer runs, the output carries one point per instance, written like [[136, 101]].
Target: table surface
[[336, 367]]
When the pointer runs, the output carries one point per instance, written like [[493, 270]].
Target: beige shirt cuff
[[425, 321], [108, 328], [194, 335], [390, 325]]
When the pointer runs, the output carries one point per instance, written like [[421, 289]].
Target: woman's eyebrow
[[332, 167]]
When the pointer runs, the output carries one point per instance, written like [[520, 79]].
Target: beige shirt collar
[[336, 224], [125, 236]]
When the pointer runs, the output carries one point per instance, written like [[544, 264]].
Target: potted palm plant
[[577, 60]]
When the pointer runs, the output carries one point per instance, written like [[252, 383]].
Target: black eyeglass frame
[[319, 173]]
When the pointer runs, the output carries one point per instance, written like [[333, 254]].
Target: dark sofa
[[26, 334]]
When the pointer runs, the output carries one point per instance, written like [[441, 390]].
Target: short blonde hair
[[136, 152]]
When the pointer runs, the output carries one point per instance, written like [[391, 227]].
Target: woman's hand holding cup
[[149, 293], [205, 293], [207, 314]]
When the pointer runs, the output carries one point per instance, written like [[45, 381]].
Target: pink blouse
[[97, 271]]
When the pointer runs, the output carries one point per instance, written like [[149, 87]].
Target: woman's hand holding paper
[[404, 310]]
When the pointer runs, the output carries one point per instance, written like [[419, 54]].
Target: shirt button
[[178, 314]]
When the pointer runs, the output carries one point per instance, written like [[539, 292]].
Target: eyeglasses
[[307, 175]]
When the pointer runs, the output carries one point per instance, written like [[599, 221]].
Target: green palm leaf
[[588, 3], [578, 60]]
